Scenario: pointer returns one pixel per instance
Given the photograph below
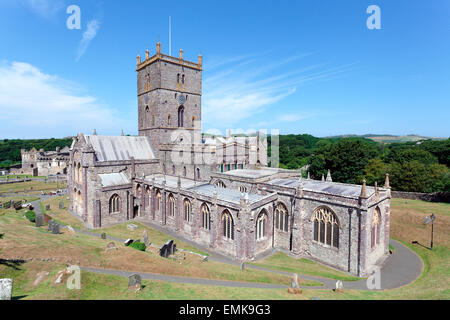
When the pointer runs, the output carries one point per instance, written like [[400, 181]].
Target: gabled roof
[[109, 148]]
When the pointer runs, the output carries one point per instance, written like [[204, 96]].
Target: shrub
[[138, 246], [30, 216]]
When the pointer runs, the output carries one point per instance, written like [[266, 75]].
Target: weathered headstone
[[39, 220], [205, 258], [111, 246], [171, 247], [103, 236], [6, 289], [242, 266], [128, 242], [163, 251], [47, 218], [47, 207], [339, 286], [134, 281], [145, 238], [53, 226], [61, 205], [294, 281], [132, 226]]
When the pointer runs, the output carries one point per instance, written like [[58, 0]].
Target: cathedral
[[219, 191]]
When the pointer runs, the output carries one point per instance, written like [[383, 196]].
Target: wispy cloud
[[239, 88], [92, 28], [36, 104], [44, 8]]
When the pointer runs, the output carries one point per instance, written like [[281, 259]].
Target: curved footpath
[[400, 269]]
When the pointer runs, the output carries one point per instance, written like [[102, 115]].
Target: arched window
[[171, 206], [206, 216], [138, 191], [180, 117], [182, 79], [178, 78], [281, 217], [79, 172], [168, 119], [243, 189], [375, 233], [261, 224], [220, 184], [184, 171], [193, 122], [173, 170], [198, 173], [326, 227], [158, 201], [187, 210], [114, 204], [228, 225]]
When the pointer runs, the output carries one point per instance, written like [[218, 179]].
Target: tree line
[[413, 166], [10, 148]]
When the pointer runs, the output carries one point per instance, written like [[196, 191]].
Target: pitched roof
[[114, 179], [108, 148]]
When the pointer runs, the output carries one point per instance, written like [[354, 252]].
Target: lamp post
[[427, 221]]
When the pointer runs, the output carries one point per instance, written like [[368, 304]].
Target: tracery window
[[180, 117], [326, 227], [187, 210], [158, 201], [114, 204], [206, 216], [243, 189], [281, 217], [220, 184], [375, 232], [261, 224], [228, 225], [171, 206]]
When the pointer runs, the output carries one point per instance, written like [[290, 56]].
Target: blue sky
[[297, 66]]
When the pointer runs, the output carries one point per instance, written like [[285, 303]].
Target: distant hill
[[388, 138]]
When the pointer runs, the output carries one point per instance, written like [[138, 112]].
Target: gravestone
[[61, 205], [242, 266], [47, 207], [134, 281], [53, 227], [145, 238], [171, 247], [163, 251], [39, 220], [103, 236], [128, 242], [339, 286], [6, 289], [294, 281], [111, 246], [205, 258], [132, 227]]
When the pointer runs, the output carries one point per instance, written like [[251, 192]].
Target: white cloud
[[92, 28], [239, 88], [34, 104]]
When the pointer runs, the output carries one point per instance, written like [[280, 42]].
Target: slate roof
[[339, 189], [109, 148], [114, 179], [249, 173], [229, 195]]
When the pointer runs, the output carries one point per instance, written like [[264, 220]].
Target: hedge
[[138, 246], [30, 216]]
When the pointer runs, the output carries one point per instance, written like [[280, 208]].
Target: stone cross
[[6, 289]]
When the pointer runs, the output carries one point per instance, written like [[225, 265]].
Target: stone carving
[[6, 289]]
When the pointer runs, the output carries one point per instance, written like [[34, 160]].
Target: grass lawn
[[154, 236], [61, 216], [21, 240], [32, 187]]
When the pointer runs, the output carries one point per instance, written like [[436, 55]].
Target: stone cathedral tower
[[169, 93]]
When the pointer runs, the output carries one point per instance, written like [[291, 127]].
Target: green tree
[[375, 170]]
